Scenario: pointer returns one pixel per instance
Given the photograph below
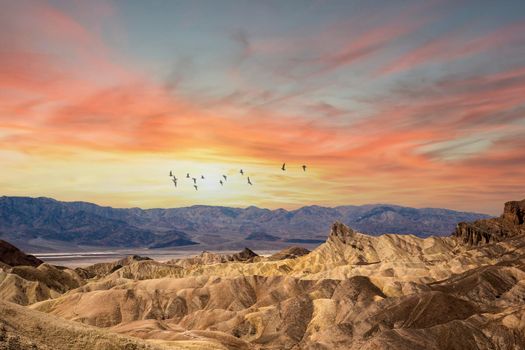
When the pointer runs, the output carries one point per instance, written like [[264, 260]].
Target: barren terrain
[[354, 291]]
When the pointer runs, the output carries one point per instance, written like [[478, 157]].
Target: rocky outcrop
[[245, 255], [11, 255], [514, 212], [104, 269], [208, 258], [509, 224], [289, 253], [341, 232]]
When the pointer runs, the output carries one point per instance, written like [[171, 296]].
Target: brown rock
[[104, 269], [244, 255], [341, 232], [11, 255], [289, 253], [509, 224], [514, 212]]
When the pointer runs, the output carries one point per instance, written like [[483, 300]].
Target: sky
[[417, 103]]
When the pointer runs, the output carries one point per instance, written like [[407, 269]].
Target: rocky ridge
[[11, 255], [509, 224]]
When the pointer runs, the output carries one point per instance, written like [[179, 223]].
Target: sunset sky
[[417, 103]]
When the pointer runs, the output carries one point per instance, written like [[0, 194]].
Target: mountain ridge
[[27, 219], [242, 208]]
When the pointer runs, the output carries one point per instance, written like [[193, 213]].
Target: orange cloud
[[401, 149]]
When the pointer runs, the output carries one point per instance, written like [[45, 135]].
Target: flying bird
[[187, 175], [249, 182], [283, 168], [220, 181], [242, 172], [225, 178], [174, 181], [194, 180], [202, 177], [304, 167], [195, 187]]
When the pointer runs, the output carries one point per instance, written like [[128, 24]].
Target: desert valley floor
[[355, 291]]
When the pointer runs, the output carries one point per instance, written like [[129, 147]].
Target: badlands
[[355, 291]]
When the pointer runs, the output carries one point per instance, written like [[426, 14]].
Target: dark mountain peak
[[11, 255], [246, 254], [341, 232], [509, 224]]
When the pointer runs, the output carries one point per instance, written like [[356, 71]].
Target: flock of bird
[[194, 179]]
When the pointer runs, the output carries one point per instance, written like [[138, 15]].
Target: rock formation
[[289, 253], [11, 255], [208, 258], [510, 223], [104, 269], [514, 212]]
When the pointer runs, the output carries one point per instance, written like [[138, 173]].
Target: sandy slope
[[22, 328]]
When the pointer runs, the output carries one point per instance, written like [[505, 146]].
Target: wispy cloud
[[306, 96], [456, 45]]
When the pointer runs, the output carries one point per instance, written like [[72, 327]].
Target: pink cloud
[[454, 46]]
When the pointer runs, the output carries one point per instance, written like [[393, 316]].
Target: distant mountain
[[30, 222]]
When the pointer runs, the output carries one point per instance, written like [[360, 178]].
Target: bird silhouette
[[220, 181], [249, 182], [194, 180], [202, 177], [242, 172], [171, 174], [225, 178], [187, 175], [304, 167], [283, 168], [174, 181], [195, 187]]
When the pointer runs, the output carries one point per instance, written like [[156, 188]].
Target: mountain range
[[46, 223]]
